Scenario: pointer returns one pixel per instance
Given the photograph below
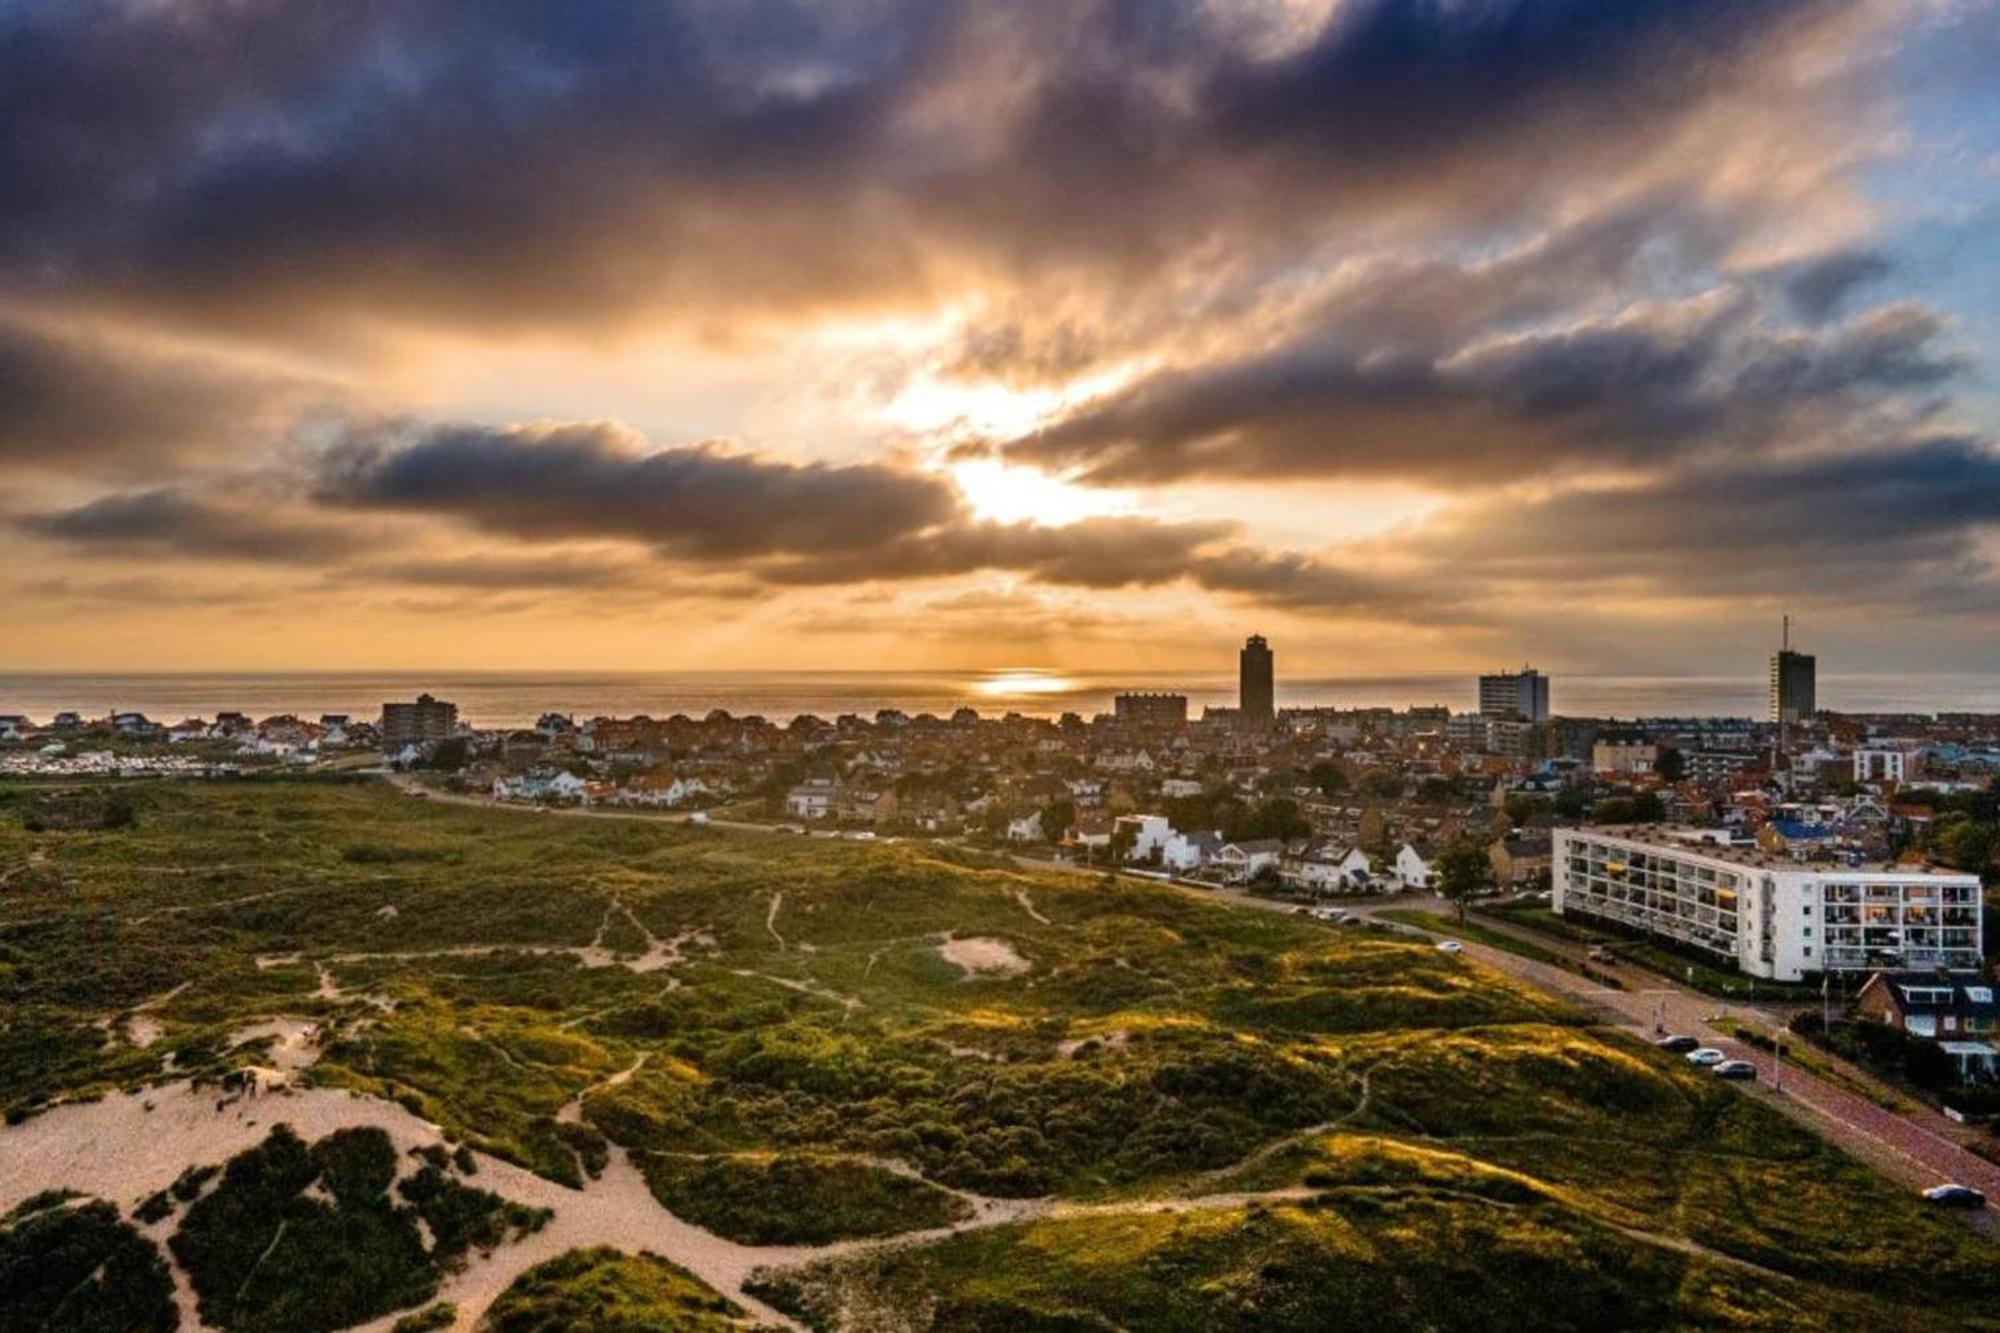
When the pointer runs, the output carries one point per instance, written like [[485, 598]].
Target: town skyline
[[963, 336]]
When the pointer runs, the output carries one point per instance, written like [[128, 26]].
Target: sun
[[994, 490]]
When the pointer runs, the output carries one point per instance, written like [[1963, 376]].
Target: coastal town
[[1325, 800]]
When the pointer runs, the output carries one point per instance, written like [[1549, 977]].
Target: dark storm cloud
[[1817, 288], [292, 164], [1464, 404], [595, 480], [85, 403], [1894, 526], [173, 522]]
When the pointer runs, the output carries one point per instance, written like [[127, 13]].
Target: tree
[[1327, 776], [450, 755], [1671, 765], [1463, 872], [1057, 816]]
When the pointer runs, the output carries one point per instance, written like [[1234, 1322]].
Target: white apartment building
[[1770, 915]]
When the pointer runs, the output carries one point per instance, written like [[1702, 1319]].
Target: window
[[1809, 951], [1979, 994]]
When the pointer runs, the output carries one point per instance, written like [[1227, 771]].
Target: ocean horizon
[[511, 698]]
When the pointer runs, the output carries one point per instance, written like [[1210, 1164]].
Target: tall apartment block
[[1522, 695], [1769, 915], [425, 722]]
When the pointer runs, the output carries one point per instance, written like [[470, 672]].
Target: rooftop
[[1689, 839]]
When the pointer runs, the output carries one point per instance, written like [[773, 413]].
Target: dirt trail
[[1028, 906], [771, 917]]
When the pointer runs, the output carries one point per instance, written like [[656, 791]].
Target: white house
[[1149, 834], [1330, 869], [1180, 787], [562, 785], [1187, 852], [660, 790], [812, 799], [1414, 862], [1242, 861], [1026, 828]]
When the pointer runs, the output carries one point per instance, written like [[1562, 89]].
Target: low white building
[[1414, 865], [1242, 861], [1185, 853], [1770, 915], [1329, 870], [1148, 834], [1026, 828], [1881, 765], [812, 800]]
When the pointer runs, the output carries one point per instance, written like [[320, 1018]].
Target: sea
[[517, 698]]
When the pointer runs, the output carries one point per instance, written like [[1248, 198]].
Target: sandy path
[[771, 917], [1028, 906]]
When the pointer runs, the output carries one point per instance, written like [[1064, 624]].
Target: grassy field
[[601, 1290], [1370, 1132], [1471, 929]]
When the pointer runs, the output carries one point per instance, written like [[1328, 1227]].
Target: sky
[[1067, 333]]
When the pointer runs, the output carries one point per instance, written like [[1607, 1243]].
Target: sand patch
[[982, 956]]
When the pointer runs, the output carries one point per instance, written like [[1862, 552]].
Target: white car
[[1450, 946], [1329, 914], [1705, 1056]]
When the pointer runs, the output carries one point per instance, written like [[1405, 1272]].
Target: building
[[1954, 1009], [1628, 755], [1881, 765], [1769, 913], [1256, 699], [1794, 689], [1522, 695], [425, 722], [1151, 710]]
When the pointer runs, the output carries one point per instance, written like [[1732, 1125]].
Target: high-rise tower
[[1255, 698], [1794, 686]]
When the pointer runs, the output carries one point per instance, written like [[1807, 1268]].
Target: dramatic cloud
[[598, 480], [269, 164], [1392, 320], [1491, 401], [171, 521], [77, 402]]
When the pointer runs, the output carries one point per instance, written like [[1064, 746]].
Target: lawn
[[1471, 929]]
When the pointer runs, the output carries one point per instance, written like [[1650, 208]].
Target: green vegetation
[[427, 1320], [600, 1290], [71, 1264], [762, 1020], [1686, 965], [796, 1198], [1470, 929], [299, 1238]]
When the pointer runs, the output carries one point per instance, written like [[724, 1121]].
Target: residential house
[[1243, 861], [1329, 868], [1414, 865], [1525, 859], [1955, 1009]]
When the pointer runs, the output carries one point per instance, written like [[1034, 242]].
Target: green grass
[[796, 1198], [1471, 929], [1687, 966], [600, 1290], [1465, 1151]]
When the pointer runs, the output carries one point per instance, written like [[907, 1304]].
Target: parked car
[[1705, 1056], [1678, 1043], [1599, 954], [1955, 1196], [1329, 914], [1450, 946], [1737, 1069], [1302, 911]]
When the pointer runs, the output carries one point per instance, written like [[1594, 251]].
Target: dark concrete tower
[[1254, 698]]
